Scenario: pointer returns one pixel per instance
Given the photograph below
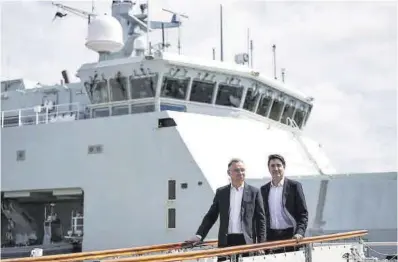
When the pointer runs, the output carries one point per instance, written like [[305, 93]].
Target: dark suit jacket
[[294, 203], [252, 215]]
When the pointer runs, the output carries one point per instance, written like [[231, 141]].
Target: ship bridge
[[168, 82], [157, 83]]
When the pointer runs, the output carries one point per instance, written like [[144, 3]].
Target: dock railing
[[142, 253]]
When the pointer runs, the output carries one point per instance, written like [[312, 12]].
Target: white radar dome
[[105, 34]]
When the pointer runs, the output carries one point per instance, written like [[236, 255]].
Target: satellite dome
[[105, 34]]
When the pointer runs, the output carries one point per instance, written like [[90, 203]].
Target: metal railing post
[[308, 252]]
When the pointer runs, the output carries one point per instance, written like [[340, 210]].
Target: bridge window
[[276, 110], [101, 112], [118, 88], [120, 110], [287, 112], [143, 87], [169, 107], [263, 106], [251, 98], [299, 117], [174, 87], [142, 108], [229, 95], [98, 92], [307, 115], [202, 91]]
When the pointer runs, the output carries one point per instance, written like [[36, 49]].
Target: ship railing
[[104, 254], [177, 251], [73, 111], [41, 115]]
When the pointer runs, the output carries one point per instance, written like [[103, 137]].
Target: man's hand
[[194, 240], [298, 237]]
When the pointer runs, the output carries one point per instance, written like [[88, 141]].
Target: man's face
[[276, 169], [237, 173]]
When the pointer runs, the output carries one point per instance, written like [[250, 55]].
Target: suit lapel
[[227, 199], [245, 198], [267, 189], [285, 188]]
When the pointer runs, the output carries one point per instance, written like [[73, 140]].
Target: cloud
[[342, 53]]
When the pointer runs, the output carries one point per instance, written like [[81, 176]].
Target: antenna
[[148, 26], [177, 18], [163, 43], [221, 37], [248, 44], [283, 74], [251, 53], [274, 54]]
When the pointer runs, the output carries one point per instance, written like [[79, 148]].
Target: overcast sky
[[344, 54]]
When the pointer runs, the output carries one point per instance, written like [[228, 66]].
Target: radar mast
[[135, 27]]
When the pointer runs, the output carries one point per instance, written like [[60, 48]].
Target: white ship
[[132, 154]]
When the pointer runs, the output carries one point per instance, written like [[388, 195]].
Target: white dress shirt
[[235, 204], [279, 219]]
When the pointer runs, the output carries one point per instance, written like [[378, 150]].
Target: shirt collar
[[280, 184], [239, 188]]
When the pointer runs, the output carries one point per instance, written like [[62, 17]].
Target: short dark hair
[[234, 160], [276, 156]]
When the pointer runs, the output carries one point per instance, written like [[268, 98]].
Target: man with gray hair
[[241, 210]]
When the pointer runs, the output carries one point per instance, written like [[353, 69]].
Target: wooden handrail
[[107, 253], [186, 255], [242, 249]]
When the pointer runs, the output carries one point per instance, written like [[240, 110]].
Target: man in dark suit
[[241, 210], [284, 204]]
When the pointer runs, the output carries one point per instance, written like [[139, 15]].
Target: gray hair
[[234, 160]]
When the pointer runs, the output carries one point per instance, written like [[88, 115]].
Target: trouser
[[280, 234], [234, 240]]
